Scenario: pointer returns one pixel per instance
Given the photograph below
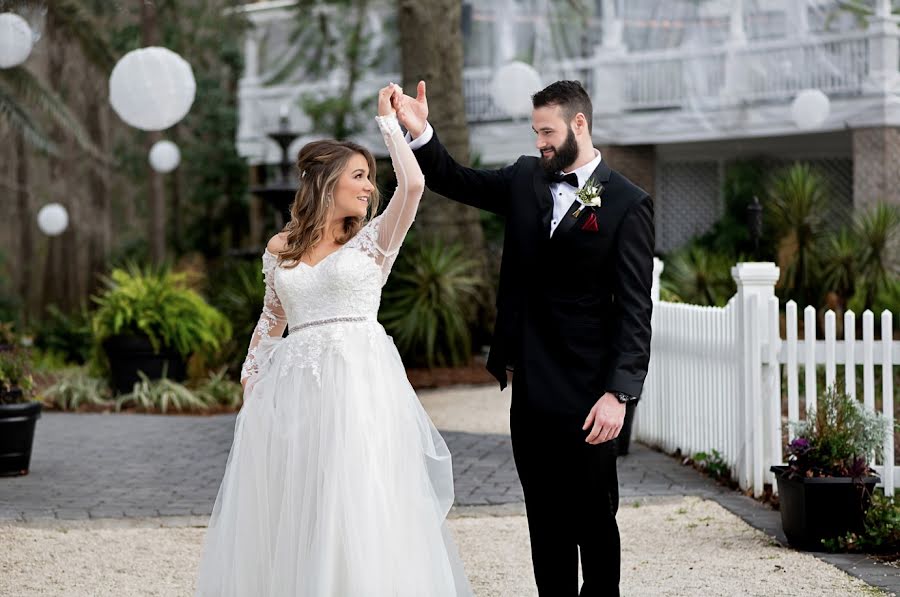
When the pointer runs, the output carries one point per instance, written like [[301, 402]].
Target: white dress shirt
[[563, 193]]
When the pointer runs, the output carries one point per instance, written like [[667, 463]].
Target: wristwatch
[[624, 398]]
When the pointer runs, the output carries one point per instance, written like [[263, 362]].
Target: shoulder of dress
[[277, 243]]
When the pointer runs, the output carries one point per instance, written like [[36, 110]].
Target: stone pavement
[[132, 466]]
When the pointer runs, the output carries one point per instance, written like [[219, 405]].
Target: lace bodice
[[348, 282]]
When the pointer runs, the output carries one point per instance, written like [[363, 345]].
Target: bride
[[337, 483]]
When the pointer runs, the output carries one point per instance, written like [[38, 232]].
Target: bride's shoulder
[[277, 244]]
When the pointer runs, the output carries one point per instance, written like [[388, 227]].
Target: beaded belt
[[310, 324]]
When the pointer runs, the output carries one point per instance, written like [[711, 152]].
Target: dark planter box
[[623, 442], [819, 508], [129, 354], [17, 423]]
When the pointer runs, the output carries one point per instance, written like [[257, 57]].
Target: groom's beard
[[562, 156]]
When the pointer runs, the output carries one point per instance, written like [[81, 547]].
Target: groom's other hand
[[605, 420], [413, 112]]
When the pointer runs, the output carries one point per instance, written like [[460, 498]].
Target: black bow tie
[[571, 178]]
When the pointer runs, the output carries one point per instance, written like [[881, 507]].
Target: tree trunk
[[157, 193], [99, 241], [431, 50], [26, 251]]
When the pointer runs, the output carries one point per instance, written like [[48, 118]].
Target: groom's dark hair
[[568, 95]]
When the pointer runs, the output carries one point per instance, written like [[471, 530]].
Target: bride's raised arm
[[400, 213]]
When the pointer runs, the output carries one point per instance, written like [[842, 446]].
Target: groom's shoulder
[[624, 188]]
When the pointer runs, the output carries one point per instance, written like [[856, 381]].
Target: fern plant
[[159, 305]]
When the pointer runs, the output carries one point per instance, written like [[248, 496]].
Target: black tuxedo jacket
[[573, 310]]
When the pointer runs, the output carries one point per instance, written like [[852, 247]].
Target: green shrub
[[430, 304], [68, 335], [158, 304], [882, 529]]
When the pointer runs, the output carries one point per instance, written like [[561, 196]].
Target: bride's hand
[[386, 99], [412, 112]]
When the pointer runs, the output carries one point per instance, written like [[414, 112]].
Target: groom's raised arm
[[490, 190], [485, 189]]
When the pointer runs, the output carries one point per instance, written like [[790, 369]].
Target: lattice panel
[[687, 202]]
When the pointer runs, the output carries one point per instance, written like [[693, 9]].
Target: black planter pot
[[17, 423], [819, 508], [129, 354], [623, 442]]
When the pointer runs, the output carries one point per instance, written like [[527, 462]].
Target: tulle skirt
[[337, 483]]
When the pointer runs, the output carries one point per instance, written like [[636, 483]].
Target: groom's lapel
[[544, 199], [600, 176]]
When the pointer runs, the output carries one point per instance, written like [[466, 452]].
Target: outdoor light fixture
[[152, 88], [53, 219], [810, 109], [15, 40], [513, 86], [164, 156]]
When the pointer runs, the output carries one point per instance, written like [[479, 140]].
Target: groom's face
[[555, 139]]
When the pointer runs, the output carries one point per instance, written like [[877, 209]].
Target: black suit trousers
[[571, 499]]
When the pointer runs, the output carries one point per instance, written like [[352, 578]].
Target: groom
[[573, 323]]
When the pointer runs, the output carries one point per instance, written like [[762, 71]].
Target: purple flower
[[799, 446]]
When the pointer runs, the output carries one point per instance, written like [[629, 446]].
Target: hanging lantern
[[164, 156], [53, 219], [810, 109], [152, 88], [15, 40], [513, 86]]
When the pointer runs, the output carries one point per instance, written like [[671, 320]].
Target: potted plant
[[18, 414], [152, 321], [826, 487]]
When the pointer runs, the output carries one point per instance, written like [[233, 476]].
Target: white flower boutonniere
[[590, 196]]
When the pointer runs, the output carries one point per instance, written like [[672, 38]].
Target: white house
[[681, 88]]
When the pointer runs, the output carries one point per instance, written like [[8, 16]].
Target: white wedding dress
[[337, 484]]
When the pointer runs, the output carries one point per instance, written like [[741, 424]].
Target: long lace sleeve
[[272, 320], [383, 236]]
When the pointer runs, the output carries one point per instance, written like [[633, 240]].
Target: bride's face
[[353, 190]]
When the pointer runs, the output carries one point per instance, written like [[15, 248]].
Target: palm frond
[[25, 89], [76, 20], [15, 117]]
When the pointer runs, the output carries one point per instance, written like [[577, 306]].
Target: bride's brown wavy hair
[[320, 165]]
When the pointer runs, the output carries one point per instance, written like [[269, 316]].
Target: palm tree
[[700, 277], [798, 202], [840, 263], [878, 234]]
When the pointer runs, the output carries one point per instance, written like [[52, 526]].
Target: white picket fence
[[722, 378]]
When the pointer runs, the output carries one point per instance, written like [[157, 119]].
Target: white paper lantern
[[15, 40], [810, 109], [513, 86], [53, 219], [164, 156], [152, 88]]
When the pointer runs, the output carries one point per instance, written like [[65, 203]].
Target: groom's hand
[[413, 112], [605, 420]]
